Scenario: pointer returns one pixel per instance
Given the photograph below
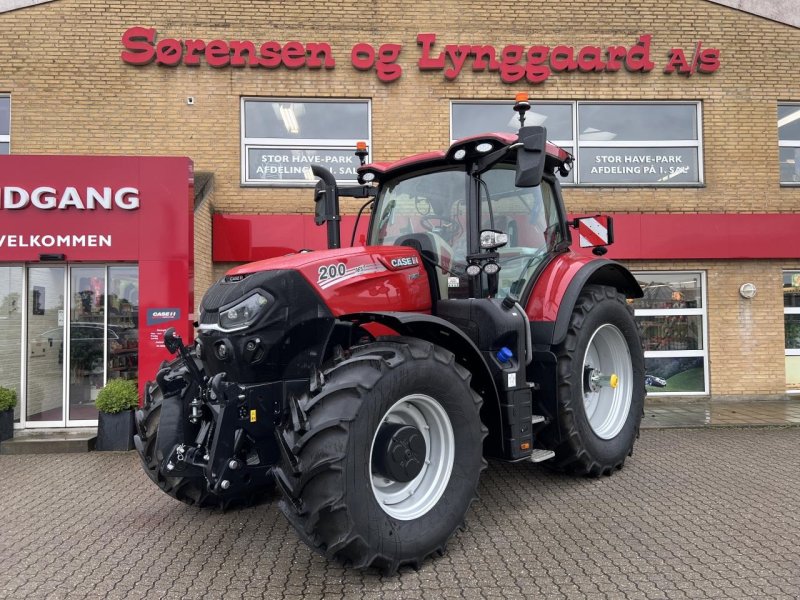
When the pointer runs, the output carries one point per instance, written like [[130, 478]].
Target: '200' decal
[[327, 272], [333, 274]]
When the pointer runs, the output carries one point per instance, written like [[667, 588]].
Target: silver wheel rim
[[607, 405], [412, 499]]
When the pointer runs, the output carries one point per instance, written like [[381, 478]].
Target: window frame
[[698, 143], [246, 144], [790, 310], [576, 144], [6, 139], [666, 312], [786, 144]]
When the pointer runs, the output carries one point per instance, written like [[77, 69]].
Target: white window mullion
[[668, 312], [639, 144]]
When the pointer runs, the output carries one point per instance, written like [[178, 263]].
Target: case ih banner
[[513, 63]]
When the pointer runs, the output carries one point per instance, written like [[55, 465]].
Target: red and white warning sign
[[593, 231]]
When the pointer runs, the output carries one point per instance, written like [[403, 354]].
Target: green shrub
[[118, 395], [8, 399]]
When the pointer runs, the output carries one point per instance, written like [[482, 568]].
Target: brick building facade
[[70, 92]]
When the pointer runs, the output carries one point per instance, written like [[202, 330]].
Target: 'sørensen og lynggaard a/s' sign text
[[534, 63]]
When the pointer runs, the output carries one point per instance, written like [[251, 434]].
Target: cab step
[[541, 455], [537, 419]]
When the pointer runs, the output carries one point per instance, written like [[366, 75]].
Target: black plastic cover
[[286, 341]]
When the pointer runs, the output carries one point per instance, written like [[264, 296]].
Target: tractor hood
[[269, 320], [351, 280]]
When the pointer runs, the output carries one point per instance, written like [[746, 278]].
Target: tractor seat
[[433, 250]]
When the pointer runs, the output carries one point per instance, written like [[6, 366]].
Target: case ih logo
[[407, 261], [162, 315], [48, 198]]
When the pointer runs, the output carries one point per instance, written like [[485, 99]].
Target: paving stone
[[696, 513]]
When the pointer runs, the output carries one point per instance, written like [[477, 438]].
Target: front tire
[[345, 494], [601, 386]]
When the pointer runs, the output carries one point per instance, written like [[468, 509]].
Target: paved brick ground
[[695, 514]]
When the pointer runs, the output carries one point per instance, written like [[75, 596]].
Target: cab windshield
[[432, 207]]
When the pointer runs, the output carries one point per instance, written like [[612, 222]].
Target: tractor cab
[[485, 215], [479, 233]]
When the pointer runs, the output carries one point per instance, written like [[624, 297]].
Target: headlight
[[244, 313]]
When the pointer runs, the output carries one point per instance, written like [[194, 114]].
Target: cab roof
[[556, 156]]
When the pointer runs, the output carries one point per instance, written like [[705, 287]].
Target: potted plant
[[8, 400], [115, 427]]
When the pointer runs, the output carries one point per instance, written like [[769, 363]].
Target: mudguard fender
[[556, 292], [442, 333]]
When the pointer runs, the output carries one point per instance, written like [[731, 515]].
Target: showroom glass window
[[672, 317], [281, 138], [791, 327], [5, 124], [789, 142], [614, 143]]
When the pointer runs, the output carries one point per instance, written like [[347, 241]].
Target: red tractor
[[371, 383]]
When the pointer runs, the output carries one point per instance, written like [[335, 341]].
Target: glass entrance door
[[87, 342], [81, 328], [11, 308], [45, 358]]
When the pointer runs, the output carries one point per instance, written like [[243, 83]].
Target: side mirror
[[491, 239], [320, 196], [595, 232], [531, 156], [326, 198], [172, 341]]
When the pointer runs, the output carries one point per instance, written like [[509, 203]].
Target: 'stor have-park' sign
[[534, 64]]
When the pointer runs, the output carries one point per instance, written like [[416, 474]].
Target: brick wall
[[71, 93]]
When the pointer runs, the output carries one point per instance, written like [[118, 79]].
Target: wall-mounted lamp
[[747, 291]]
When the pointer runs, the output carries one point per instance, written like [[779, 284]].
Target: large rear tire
[[601, 386], [344, 490]]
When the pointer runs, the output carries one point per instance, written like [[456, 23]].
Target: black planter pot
[[6, 424], [115, 431]]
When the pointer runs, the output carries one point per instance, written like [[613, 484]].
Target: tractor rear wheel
[[189, 490], [600, 386], [381, 465]]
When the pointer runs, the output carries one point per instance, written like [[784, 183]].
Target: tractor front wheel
[[600, 386], [381, 465]]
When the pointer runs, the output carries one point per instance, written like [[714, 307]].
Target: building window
[[282, 138], [672, 317], [614, 143], [789, 142], [791, 328], [639, 144], [5, 124]]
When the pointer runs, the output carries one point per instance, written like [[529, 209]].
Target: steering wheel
[[447, 226]]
